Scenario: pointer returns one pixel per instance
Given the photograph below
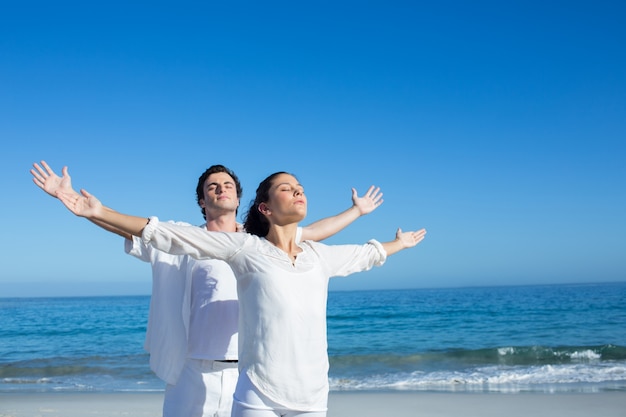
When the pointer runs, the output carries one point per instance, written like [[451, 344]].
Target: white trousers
[[205, 389]]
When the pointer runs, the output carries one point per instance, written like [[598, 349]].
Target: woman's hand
[[369, 202]]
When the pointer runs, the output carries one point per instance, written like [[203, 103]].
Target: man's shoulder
[[179, 223], [239, 226]]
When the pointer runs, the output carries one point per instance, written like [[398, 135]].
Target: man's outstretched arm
[[48, 180]]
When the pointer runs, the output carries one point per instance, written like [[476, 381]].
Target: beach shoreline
[[341, 404]]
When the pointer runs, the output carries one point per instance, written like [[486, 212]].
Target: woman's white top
[[282, 305]]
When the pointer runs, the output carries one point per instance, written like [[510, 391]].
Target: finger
[[374, 192], [39, 170], [38, 183], [36, 175], [48, 169]]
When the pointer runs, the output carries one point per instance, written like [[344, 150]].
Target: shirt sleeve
[[189, 240], [342, 260], [137, 248], [140, 250]]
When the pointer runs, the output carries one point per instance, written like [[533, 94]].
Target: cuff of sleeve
[[128, 245], [131, 246], [148, 231], [382, 252]]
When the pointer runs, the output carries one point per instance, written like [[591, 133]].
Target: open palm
[[369, 202], [46, 179], [83, 204]]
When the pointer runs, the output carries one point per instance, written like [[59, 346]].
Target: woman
[[282, 290]]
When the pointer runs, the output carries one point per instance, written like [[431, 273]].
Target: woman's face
[[287, 202]]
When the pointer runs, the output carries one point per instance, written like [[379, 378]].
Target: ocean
[[548, 338]]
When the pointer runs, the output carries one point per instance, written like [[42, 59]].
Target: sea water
[[549, 338]]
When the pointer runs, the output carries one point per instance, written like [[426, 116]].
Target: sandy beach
[[348, 404]]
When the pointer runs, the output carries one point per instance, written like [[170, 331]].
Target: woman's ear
[[264, 209]]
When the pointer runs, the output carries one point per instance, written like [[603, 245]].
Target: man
[[193, 318]]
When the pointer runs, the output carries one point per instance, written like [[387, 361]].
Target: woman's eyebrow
[[289, 184]]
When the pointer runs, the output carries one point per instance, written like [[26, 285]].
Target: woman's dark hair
[[255, 221], [213, 169]]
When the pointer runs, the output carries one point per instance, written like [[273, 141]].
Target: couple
[[282, 280]]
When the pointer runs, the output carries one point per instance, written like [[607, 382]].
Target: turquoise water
[[507, 339]]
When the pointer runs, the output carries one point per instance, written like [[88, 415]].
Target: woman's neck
[[284, 238]]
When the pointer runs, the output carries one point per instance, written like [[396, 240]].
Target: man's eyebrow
[[215, 183]]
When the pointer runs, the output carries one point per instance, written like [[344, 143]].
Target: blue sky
[[498, 126]]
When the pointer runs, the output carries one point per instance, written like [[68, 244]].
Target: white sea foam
[[494, 378], [506, 351], [585, 354]]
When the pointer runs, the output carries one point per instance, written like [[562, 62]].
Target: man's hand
[[46, 179]]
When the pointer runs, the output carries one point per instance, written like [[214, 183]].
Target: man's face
[[220, 194]]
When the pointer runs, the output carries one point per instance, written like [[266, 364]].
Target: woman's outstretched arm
[[328, 226], [404, 240]]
